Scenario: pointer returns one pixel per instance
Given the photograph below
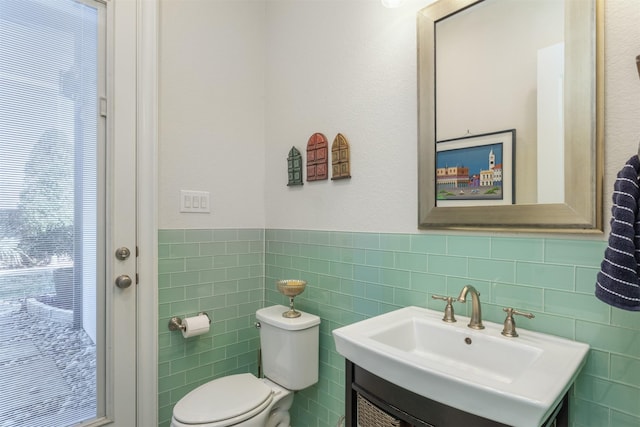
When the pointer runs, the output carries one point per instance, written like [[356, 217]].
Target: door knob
[[123, 281]]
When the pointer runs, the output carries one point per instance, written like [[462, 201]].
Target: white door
[[68, 113], [121, 225]]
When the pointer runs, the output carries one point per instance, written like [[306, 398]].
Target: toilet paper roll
[[278, 419], [196, 325]]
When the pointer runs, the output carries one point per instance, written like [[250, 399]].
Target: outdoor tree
[[45, 209]]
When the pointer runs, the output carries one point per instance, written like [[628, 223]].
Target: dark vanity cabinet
[[372, 401]]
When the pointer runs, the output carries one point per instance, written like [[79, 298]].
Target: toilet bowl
[[235, 400], [290, 362]]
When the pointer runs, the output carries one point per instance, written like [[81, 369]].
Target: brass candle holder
[[291, 288]]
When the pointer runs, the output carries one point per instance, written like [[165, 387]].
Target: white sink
[[515, 381]]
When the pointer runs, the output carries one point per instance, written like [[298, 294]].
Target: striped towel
[[618, 283]]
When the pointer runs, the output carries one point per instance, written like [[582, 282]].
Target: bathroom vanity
[[369, 397], [424, 371]]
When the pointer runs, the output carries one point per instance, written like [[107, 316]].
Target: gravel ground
[[72, 352]]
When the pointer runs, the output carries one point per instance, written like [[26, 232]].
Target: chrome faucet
[[476, 311]]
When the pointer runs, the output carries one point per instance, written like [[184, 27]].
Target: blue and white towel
[[618, 283]]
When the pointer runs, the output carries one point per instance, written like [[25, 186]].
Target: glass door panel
[[52, 212]]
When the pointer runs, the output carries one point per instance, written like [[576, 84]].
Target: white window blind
[[49, 137]]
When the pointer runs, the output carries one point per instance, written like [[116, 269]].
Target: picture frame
[[476, 170]]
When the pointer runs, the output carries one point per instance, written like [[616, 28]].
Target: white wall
[[328, 66], [211, 112], [347, 67]]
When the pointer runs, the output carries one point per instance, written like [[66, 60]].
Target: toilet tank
[[289, 347]]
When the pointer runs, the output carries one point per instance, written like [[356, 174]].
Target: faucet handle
[[449, 315], [509, 329]]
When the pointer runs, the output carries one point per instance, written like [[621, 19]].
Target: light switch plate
[[194, 201]]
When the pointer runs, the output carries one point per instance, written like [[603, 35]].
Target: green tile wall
[[220, 272], [353, 276]]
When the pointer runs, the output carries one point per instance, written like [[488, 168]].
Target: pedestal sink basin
[[515, 381]]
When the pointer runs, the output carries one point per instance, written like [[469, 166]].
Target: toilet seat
[[224, 401]]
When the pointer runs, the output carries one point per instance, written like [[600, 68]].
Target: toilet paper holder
[[175, 323]]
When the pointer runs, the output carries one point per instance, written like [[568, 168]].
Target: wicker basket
[[370, 415]]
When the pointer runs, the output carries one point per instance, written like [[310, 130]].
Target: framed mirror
[[510, 115]]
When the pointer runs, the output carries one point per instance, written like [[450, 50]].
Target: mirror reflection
[[500, 65]]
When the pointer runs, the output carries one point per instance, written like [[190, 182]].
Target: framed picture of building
[[476, 170]]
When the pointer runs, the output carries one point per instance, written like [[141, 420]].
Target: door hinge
[[137, 279], [103, 106]]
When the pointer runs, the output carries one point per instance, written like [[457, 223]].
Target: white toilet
[[289, 361]]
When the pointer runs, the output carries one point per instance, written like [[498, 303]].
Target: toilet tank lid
[[273, 316]]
